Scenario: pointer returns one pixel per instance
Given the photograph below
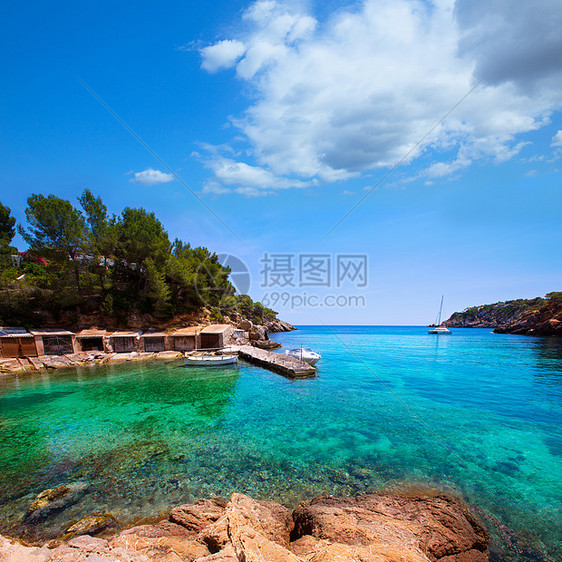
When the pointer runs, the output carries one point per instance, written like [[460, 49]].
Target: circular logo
[[211, 280], [239, 273]]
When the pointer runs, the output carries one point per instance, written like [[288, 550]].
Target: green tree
[[56, 231], [101, 234], [157, 291], [7, 226], [196, 277], [7, 233], [140, 236]]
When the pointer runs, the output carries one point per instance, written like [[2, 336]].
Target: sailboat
[[439, 327]]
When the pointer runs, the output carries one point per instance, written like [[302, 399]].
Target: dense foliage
[[84, 261]]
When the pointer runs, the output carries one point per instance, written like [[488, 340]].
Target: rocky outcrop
[[279, 326], [546, 321], [395, 527], [266, 344], [258, 335], [532, 317], [385, 527]]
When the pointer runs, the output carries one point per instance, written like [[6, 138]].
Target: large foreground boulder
[[386, 527], [395, 526]]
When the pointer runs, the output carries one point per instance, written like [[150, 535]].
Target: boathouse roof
[[216, 329], [125, 334], [188, 331], [51, 332], [15, 332], [91, 333]]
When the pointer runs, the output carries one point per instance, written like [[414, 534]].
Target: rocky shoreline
[[258, 336], [529, 317], [418, 526]]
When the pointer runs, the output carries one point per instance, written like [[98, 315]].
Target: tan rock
[[198, 515], [245, 325], [226, 555], [92, 524], [270, 519], [385, 527], [13, 551], [251, 545], [427, 525]]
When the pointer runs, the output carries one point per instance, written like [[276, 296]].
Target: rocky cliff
[[385, 527], [538, 316], [544, 321]]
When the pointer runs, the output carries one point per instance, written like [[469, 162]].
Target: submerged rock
[[54, 500], [92, 524]]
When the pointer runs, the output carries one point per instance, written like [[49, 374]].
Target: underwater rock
[[92, 524], [54, 500]]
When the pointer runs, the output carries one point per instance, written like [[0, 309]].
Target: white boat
[[439, 327], [304, 354], [439, 330], [209, 360]]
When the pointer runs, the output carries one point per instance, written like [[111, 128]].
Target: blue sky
[[281, 116]]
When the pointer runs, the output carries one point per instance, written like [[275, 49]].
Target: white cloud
[[358, 92], [557, 139], [151, 177], [442, 169], [223, 54], [245, 179]]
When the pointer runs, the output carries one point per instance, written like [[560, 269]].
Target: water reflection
[[549, 357]]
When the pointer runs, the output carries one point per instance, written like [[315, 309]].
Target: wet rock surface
[[92, 524], [385, 527], [54, 500]]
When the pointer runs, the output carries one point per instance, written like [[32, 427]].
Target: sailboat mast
[[440, 311]]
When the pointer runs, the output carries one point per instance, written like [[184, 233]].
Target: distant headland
[[529, 317]]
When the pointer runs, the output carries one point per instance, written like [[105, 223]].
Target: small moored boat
[[442, 329], [209, 360], [304, 354]]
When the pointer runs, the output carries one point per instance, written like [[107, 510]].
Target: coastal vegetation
[[84, 261], [537, 316]]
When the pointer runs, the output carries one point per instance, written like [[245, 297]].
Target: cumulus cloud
[[151, 177], [331, 101], [247, 180], [223, 54]]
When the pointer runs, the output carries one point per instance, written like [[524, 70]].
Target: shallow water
[[475, 412]]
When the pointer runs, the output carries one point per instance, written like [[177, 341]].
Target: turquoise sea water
[[475, 412]]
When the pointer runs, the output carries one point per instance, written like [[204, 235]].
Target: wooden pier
[[283, 364]]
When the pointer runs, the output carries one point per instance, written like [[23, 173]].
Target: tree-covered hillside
[[493, 315], [83, 261], [538, 316]]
